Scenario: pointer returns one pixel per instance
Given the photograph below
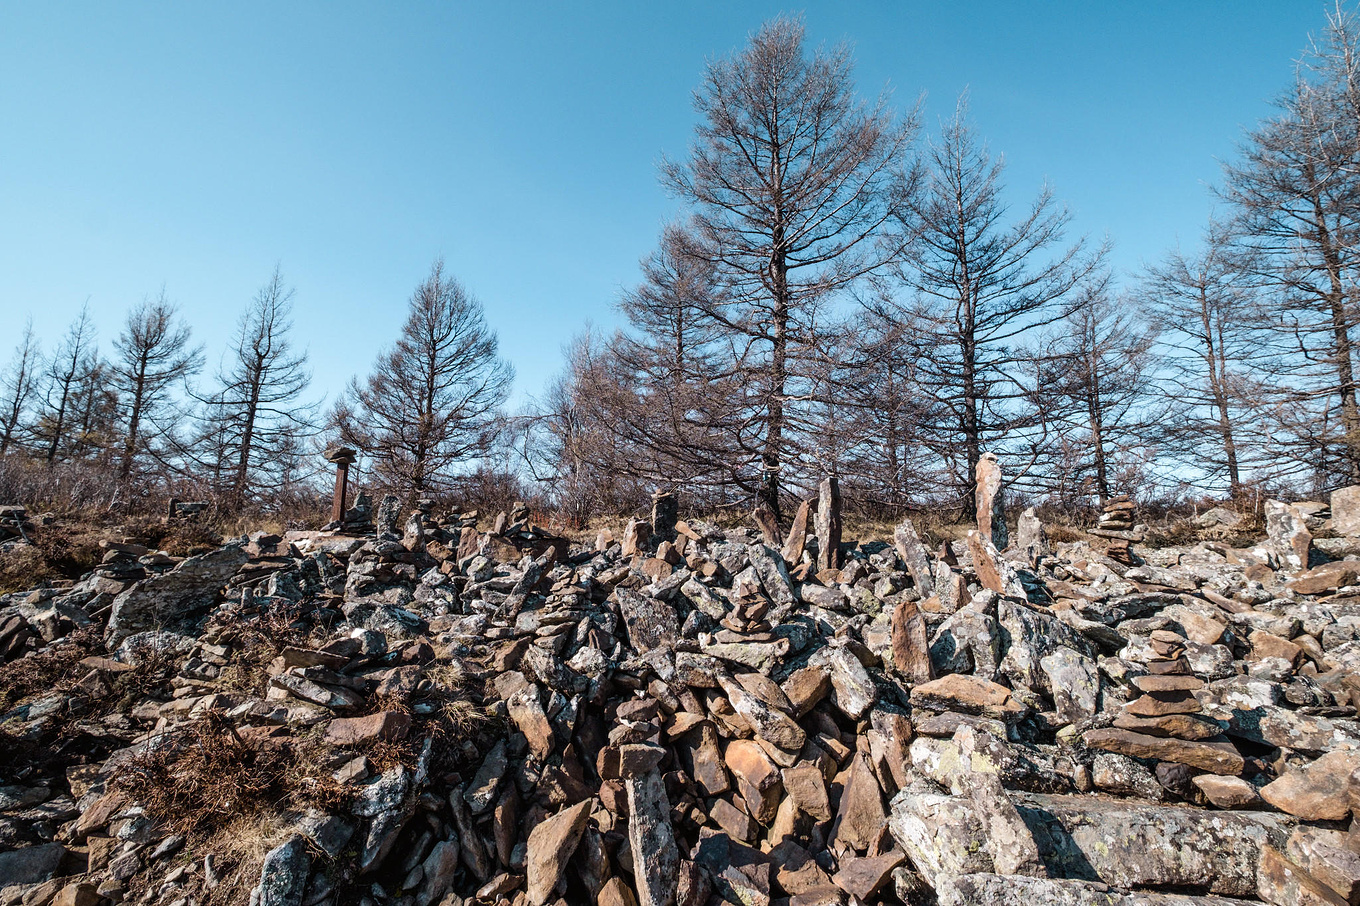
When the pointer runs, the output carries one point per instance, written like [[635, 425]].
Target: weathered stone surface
[[1346, 510], [655, 854], [283, 876], [30, 864], [1214, 757], [860, 818], [756, 777], [968, 694], [1283, 883], [652, 623], [165, 599], [1131, 844], [991, 510], [828, 523], [1228, 792], [551, 844], [915, 556], [1010, 890], [1317, 792], [910, 645], [353, 731]]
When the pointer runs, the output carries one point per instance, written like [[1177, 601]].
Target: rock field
[[690, 715]]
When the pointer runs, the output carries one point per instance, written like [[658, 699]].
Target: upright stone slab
[[656, 857], [797, 537], [665, 514], [829, 524], [913, 553], [991, 511], [1346, 510]]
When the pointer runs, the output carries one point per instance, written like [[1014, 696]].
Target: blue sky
[[195, 145]]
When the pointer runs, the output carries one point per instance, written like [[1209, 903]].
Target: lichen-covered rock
[[187, 590]]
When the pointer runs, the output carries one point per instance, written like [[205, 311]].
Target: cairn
[[1116, 524]]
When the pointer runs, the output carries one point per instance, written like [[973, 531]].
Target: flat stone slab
[[1008, 890], [1131, 844]]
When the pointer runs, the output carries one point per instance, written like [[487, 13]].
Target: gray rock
[[656, 858], [31, 864], [283, 876], [185, 591]]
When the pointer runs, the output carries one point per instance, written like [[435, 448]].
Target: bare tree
[[979, 290], [792, 181], [17, 387], [432, 400], [152, 353], [1296, 196], [1102, 368], [258, 410], [71, 360], [1205, 309]]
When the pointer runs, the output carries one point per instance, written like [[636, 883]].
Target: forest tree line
[[843, 293]]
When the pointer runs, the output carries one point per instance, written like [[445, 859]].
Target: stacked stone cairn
[[1116, 524]]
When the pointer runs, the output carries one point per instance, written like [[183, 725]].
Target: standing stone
[[551, 845], [910, 645], [283, 876], [1288, 532], [797, 537], [635, 537], [656, 858], [913, 553], [765, 520], [665, 513], [1346, 510], [389, 513], [829, 524], [991, 511]]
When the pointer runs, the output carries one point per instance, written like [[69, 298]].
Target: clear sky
[[194, 145]]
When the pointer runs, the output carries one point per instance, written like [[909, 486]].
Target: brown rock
[[732, 820], [756, 776], [1168, 683], [1264, 645], [807, 686], [1199, 628], [806, 786], [828, 524], [1214, 757], [1281, 882], [1318, 792], [860, 818], [1327, 856], [1327, 578], [551, 844], [910, 644], [1181, 726], [862, 877], [656, 857], [353, 731], [616, 893], [796, 871], [797, 537], [1228, 792], [1162, 704], [968, 694]]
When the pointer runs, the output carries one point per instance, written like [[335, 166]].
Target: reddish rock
[[1214, 757], [1318, 792], [551, 844], [353, 731]]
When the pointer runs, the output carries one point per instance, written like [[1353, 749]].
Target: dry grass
[[23, 566]]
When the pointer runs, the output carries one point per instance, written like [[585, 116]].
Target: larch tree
[[432, 401], [62, 376], [978, 290], [17, 388], [258, 412], [1205, 308], [1295, 194], [151, 354], [792, 181]]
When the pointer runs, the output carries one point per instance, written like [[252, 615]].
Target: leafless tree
[[792, 181], [258, 409], [978, 290], [17, 387], [1102, 369], [432, 401], [1205, 308], [69, 362], [151, 354], [1295, 194]]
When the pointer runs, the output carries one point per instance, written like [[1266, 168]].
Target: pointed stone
[[991, 511], [915, 555], [796, 540], [910, 645], [656, 857], [550, 847], [829, 525]]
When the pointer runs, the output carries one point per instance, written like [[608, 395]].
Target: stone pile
[[1116, 524], [14, 523], [691, 715]]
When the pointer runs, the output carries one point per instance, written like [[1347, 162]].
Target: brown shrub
[[23, 566]]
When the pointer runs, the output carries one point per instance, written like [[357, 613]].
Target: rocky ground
[[418, 713]]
